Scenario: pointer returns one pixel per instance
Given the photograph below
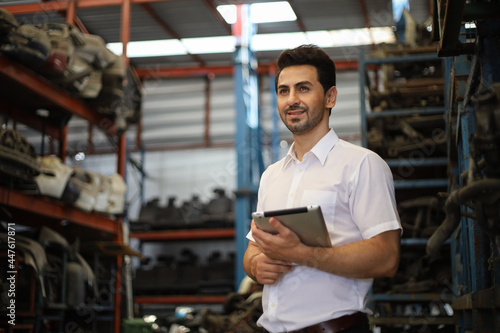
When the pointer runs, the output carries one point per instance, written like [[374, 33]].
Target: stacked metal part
[[77, 62], [218, 212]]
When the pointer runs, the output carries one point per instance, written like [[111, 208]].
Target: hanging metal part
[[483, 194], [450, 17], [486, 140], [450, 23], [420, 216]]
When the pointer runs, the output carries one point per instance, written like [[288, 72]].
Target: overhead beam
[[80, 25], [175, 72], [147, 8], [126, 12], [153, 73], [54, 6], [366, 18], [218, 16], [71, 12], [299, 21]]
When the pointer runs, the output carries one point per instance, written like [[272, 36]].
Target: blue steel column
[[248, 133], [475, 276]]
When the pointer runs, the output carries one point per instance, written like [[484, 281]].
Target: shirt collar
[[320, 150]]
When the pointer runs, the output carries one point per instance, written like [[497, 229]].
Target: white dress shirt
[[355, 190]]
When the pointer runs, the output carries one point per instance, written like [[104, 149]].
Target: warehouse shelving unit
[[472, 65], [22, 92], [182, 235], [419, 174]]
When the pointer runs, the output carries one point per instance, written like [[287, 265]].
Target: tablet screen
[[307, 222]]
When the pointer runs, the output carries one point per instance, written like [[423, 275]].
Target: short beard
[[308, 125]]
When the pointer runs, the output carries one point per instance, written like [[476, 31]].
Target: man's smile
[[295, 113]]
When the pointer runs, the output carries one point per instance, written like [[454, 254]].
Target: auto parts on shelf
[[18, 159], [216, 213]]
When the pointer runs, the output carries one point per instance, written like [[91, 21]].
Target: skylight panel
[[262, 42], [222, 44], [265, 12], [150, 48]]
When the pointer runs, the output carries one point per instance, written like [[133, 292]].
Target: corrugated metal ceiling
[[175, 19]]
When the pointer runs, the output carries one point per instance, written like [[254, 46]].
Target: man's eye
[[283, 91]]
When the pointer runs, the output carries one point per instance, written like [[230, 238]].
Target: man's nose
[[293, 98]]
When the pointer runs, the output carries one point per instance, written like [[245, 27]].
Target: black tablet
[[307, 222]]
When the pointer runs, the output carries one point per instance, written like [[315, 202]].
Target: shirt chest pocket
[[325, 199]]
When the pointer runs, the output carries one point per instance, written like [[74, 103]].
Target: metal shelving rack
[[472, 64], [424, 183], [181, 235], [22, 93]]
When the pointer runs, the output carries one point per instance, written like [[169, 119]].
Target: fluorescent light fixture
[[263, 42], [266, 12]]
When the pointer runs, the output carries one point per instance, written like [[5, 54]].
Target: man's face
[[302, 103]]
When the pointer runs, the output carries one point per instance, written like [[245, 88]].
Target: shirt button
[[300, 170], [292, 194]]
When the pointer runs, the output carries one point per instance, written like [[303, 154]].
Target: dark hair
[[308, 55]]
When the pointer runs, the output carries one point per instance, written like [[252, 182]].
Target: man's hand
[[265, 260], [267, 270], [280, 246]]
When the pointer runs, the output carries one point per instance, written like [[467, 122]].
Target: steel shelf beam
[[420, 183], [414, 321], [407, 112], [181, 299], [185, 234], [430, 161], [48, 95], [49, 208]]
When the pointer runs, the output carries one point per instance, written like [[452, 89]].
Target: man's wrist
[[253, 266]]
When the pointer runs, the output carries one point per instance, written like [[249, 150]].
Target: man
[[313, 289]]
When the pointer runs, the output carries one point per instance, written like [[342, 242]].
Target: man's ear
[[331, 97]]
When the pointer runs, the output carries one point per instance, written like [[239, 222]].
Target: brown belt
[[337, 324]]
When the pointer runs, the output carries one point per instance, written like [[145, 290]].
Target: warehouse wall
[[173, 115]]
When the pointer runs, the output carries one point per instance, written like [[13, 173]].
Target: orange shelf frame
[[179, 299], [49, 208], [184, 234], [49, 95]]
